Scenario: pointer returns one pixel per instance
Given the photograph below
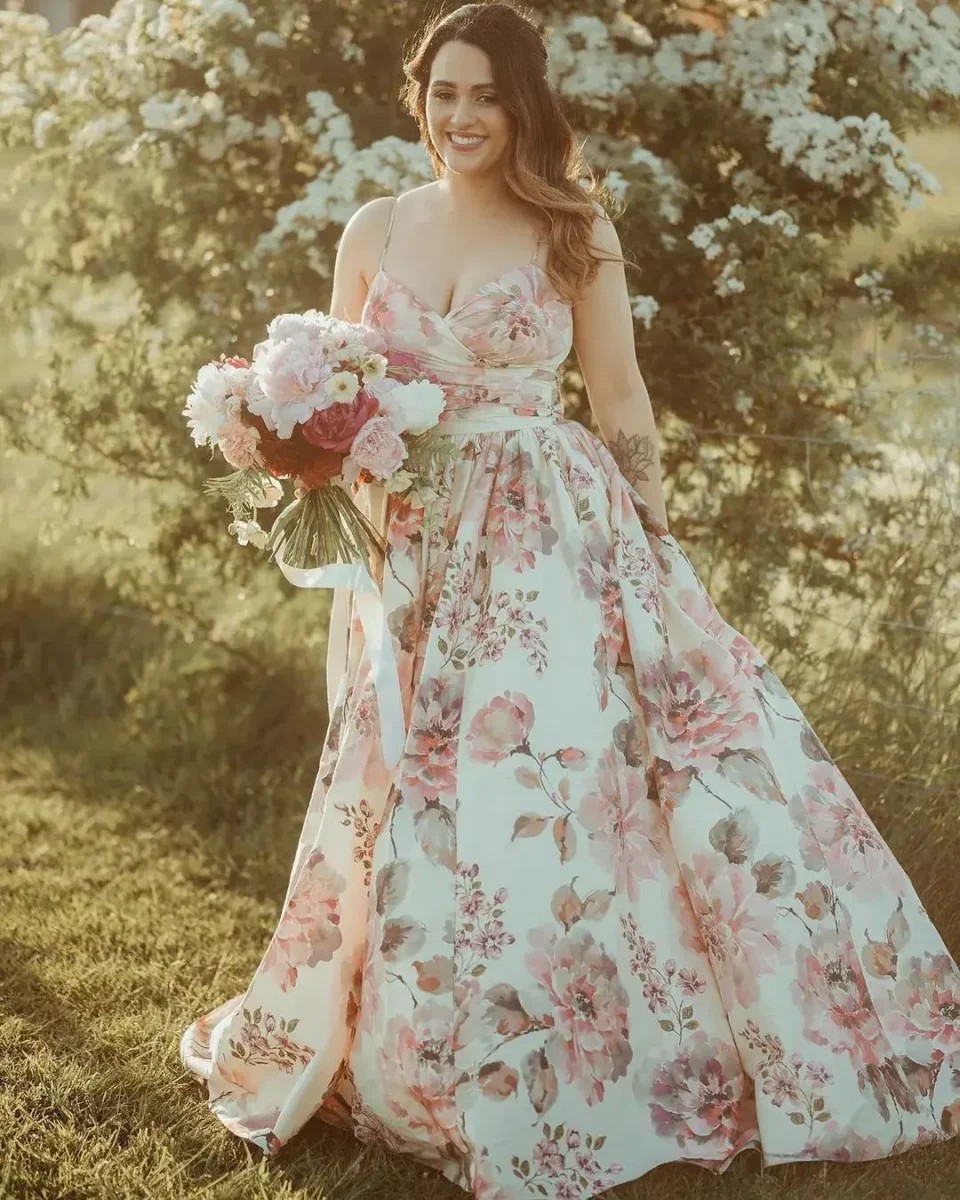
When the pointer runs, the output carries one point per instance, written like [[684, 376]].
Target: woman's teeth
[[465, 143]]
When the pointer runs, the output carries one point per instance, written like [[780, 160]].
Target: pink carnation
[[378, 448], [239, 443]]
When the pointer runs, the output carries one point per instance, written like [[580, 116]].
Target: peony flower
[[292, 379], [335, 428], [412, 407], [500, 728], [214, 398], [378, 448]]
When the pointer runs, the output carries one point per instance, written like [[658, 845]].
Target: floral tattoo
[[633, 455]]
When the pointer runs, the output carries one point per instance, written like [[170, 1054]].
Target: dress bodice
[[501, 345]]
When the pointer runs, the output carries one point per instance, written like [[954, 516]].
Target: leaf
[[566, 906], [435, 975], [529, 825], [528, 777], [498, 1081], [291, 1025], [598, 1142], [686, 1013], [897, 928], [505, 1012], [824, 1116], [818, 1104], [541, 1080], [693, 1025], [596, 905], [668, 1026], [798, 1118], [565, 838], [442, 645], [391, 885]]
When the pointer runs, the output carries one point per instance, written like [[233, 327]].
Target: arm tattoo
[[633, 455]]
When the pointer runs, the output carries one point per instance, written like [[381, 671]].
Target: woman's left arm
[[604, 341]]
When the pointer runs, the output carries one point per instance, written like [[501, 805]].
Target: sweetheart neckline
[[467, 299]]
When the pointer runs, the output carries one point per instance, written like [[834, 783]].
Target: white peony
[[214, 399], [292, 381], [412, 407]]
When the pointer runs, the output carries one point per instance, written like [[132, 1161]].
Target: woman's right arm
[[358, 253]]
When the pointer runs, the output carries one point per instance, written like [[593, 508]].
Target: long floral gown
[[616, 905]]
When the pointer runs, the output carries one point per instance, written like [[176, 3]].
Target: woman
[[616, 905]]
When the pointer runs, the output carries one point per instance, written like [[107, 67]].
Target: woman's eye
[[449, 96]]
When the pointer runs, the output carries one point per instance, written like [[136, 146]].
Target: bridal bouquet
[[315, 405]]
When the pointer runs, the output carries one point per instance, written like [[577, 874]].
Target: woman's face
[[461, 99]]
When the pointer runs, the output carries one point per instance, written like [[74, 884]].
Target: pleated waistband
[[492, 420]]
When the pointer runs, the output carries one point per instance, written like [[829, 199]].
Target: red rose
[[335, 427], [324, 464]]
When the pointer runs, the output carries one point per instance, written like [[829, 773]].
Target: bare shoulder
[[603, 235], [364, 235]]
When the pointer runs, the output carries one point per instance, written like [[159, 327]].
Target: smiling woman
[[616, 905]]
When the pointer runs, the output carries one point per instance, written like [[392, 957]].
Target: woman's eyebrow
[[449, 83]]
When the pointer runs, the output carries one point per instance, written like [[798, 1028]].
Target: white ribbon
[[377, 639]]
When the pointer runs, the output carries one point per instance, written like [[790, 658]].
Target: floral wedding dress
[[615, 905]]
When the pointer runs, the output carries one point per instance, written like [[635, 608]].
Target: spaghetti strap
[[393, 213], [536, 252]]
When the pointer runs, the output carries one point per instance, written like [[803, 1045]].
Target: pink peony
[[335, 428], [378, 448], [500, 728], [589, 1026]]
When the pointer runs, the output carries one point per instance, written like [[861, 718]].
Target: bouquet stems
[[324, 526]]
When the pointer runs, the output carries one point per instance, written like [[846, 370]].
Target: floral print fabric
[[616, 905]]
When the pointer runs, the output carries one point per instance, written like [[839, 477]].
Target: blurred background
[[785, 179]]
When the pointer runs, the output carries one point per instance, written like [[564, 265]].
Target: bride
[[616, 905]]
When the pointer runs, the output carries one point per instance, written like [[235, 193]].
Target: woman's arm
[[358, 252], [604, 342]]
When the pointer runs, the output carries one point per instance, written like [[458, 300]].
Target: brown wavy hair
[[544, 166]]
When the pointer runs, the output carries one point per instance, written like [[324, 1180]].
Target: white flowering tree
[[186, 168]]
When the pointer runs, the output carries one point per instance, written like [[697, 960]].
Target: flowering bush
[[186, 174]]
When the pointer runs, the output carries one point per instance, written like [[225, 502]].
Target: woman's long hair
[[544, 166]]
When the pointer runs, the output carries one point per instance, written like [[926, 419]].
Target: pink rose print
[[430, 764], [518, 528], [844, 1144], [734, 923], [500, 728], [925, 1003], [417, 1064], [702, 1096], [588, 1010], [831, 992], [309, 930], [627, 833], [711, 706], [840, 832]]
